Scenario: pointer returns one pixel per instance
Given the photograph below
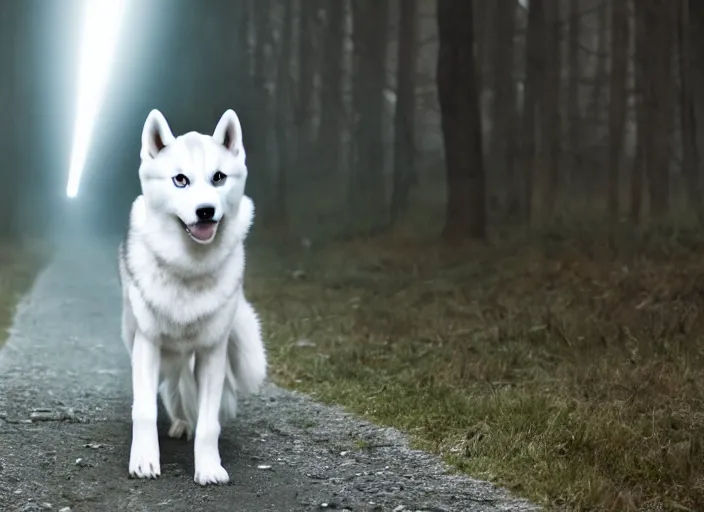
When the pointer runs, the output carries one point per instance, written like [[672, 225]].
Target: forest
[[478, 221], [490, 217], [573, 111]]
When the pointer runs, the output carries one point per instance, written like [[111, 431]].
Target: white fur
[[191, 334]]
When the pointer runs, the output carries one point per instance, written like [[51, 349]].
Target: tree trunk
[[602, 63], [502, 150], [260, 154], [550, 108], [574, 70], [262, 27], [283, 114], [574, 113], [643, 124], [243, 61], [461, 122], [594, 182], [306, 81], [366, 192], [659, 24], [688, 86], [243, 56], [332, 109], [534, 73], [617, 101], [404, 121]]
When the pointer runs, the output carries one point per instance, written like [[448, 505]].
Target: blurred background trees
[[456, 117], [367, 116]]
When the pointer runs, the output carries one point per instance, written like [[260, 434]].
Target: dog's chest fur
[[180, 312]]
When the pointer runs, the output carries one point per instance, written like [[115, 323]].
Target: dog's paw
[[178, 428], [212, 473], [144, 466], [144, 459]]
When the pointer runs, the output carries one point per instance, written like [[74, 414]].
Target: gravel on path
[[65, 427]]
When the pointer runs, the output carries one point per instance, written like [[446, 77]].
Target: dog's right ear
[[228, 132], [156, 135]]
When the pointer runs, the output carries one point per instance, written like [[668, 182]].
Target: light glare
[[101, 25]]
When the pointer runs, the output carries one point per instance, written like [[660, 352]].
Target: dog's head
[[194, 181]]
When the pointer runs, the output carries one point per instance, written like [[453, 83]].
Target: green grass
[[19, 265], [567, 372]]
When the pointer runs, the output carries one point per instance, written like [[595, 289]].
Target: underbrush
[[567, 370]]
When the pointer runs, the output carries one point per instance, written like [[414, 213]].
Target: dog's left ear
[[228, 132]]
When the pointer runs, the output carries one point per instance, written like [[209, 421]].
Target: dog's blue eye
[[219, 178], [180, 181]]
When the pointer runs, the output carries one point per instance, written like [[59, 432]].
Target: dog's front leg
[[144, 454], [210, 375]]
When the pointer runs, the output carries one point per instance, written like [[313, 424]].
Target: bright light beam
[[101, 26]]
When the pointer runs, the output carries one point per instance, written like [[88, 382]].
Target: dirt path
[[65, 427]]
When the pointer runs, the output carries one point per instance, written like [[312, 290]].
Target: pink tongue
[[202, 230]]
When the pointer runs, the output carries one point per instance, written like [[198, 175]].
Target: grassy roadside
[[571, 375], [19, 266]]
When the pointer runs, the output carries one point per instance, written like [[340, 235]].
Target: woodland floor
[[567, 370]]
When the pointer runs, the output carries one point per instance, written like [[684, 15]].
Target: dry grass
[[19, 265], [573, 375]]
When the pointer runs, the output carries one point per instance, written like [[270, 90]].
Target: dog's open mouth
[[202, 231]]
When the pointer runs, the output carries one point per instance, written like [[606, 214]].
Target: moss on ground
[[571, 373]]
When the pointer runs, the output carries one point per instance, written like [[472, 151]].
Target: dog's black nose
[[205, 212]]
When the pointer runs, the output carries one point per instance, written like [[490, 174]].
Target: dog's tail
[[246, 358], [245, 372]]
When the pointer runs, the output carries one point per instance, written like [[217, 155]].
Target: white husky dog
[[191, 334]]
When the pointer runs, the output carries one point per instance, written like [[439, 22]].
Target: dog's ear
[[228, 132], [156, 135]]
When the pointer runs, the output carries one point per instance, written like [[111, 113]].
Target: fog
[[168, 57]]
